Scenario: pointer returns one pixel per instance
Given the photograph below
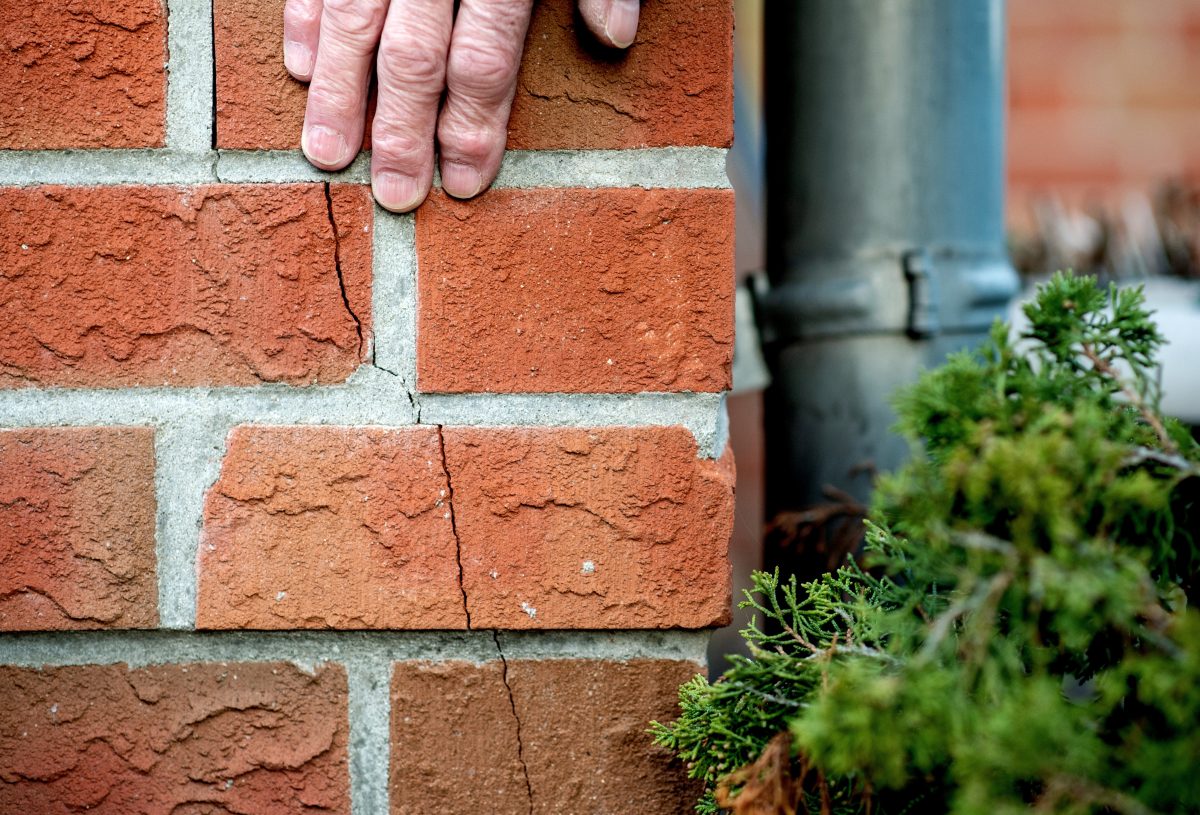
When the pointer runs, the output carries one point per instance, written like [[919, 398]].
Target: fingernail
[[460, 180], [621, 25], [396, 191], [297, 58], [323, 145]]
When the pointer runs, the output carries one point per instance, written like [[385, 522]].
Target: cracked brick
[[330, 527], [209, 285], [607, 527], [573, 730], [410, 528], [453, 523]]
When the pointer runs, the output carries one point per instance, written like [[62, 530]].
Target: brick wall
[[1104, 97], [305, 506]]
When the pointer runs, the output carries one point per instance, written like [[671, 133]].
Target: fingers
[[614, 22], [481, 77], [337, 97], [412, 73], [301, 32]]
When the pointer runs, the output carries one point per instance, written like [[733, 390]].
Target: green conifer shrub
[[1021, 635]]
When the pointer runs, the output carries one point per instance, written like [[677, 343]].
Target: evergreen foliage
[[1019, 636]]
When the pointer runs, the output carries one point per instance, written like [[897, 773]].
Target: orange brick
[[674, 86], [591, 528], [210, 285], [573, 290], [330, 527], [89, 73], [250, 737], [77, 528], [540, 736]]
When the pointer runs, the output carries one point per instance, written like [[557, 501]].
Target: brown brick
[[262, 738], [77, 528], [576, 729], [454, 741], [674, 86], [330, 527], [89, 73], [211, 285], [583, 730], [574, 290], [591, 528]]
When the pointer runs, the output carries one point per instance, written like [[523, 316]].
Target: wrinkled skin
[[419, 49]]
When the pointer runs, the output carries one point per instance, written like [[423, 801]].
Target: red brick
[[259, 106], [674, 86], [210, 285], [77, 528], [89, 73], [263, 738], [574, 290], [581, 739], [330, 527], [591, 528]]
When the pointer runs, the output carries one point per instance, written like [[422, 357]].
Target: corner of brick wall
[[305, 506]]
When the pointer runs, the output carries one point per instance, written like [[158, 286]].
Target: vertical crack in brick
[[337, 266], [454, 524], [512, 703], [212, 41]]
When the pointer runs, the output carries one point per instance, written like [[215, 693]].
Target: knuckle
[[411, 61], [331, 96], [354, 18], [474, 143], [480, 70], [399, 147], [301, 14]]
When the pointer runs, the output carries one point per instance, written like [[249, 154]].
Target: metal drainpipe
[[885, 235]]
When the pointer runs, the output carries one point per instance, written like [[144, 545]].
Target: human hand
[[419, 49]]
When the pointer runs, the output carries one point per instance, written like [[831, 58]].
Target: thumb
[[614, 22]]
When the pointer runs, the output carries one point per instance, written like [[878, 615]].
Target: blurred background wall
[[1103, 99]]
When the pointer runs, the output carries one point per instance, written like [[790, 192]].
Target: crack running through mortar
[[454, 526], [337, 265], [512, 703]]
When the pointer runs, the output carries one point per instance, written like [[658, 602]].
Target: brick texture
[[329, 527], [541, 736], [599, 528], [674, 86], [259, 106], [453, 738], [89, 73], [170, 740], [573, 290], [77, 529], [220, 285]]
